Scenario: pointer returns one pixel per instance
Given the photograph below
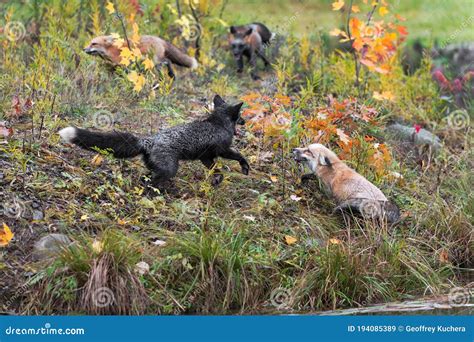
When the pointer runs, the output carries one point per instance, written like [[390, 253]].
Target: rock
[[49, 246], [142, 268], [37, 215], [409, 134]]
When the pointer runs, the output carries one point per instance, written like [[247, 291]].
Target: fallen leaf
[[295, 198], [274, 179], [342, 136], [443, 256], [337, 5], [84, 217], [4, 131], [5, 236], [335, 241], [110, 7], [97, 160], [290, 240], [97, 246]]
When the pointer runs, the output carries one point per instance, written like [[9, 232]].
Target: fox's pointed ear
[[235, 111], [218, 101], [238, 106], [248, 32], [233, 30], [324, 161]]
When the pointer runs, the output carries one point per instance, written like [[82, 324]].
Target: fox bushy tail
[[122, 145], [178, 57]]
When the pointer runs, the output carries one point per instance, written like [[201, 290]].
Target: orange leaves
[[375, 42], [267, 116]]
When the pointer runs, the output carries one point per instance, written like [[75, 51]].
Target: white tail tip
[[194, 64], [68, 134]]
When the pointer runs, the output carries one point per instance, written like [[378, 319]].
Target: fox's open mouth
[[297, 156], [92, 52]]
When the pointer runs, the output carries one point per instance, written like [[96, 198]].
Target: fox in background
[[198, 140], [249, 41], [162, 52], [352, 191]]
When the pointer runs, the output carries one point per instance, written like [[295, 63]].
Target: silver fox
[[199, 140]]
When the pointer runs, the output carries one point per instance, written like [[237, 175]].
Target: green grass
[[227, 248], [445, 20]]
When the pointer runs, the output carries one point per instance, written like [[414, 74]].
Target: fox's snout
[[90, 51], [297, 155]]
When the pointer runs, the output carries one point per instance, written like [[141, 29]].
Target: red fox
[[249, 41], [352, 191], [163, 52]]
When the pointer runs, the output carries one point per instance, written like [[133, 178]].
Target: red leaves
[[5, 131], [20, 107]]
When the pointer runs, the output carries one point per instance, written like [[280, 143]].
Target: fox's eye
[[94, 44]]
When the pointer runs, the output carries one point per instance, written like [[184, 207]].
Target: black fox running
[[199, 140]]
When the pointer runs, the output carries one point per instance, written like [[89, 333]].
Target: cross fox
[[249, 41], [198, 140], [163, 52], [352, 191]]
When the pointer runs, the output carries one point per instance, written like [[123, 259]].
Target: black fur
[[199, 140]]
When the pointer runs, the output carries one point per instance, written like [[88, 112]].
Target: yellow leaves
[[84, 217], [383, 11], [137, 79], [386, 95], [126, 55], [274, 179], [334, 241], [119, 42], [290, 240], [5, 236], [148, 64], [355, 9], [337, 5], [110, 7], [135, 38], [97, 160]]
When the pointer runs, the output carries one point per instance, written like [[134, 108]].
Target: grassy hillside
[[262, 243]]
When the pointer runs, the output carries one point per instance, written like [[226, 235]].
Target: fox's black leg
[[309, 176], [217, 177], [261, 54], [163, 169], [170, 69], [240, 65], [253, 66], [234, 155]]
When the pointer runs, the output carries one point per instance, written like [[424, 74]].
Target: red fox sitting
[[163, 52], [249, 41]]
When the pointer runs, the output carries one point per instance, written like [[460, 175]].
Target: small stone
[[37, 215], [49, 246], [420, 138], [142, 268], [159, 243]]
